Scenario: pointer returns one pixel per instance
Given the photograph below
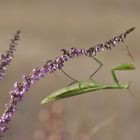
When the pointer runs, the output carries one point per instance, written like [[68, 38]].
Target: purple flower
[[5, 59], [20, 88]]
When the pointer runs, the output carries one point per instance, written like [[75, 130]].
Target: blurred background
[[49, 25]]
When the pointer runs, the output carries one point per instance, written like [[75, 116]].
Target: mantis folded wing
[[81, 87]]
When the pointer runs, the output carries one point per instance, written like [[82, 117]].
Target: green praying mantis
[[81, 87]]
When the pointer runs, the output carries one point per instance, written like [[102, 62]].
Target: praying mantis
[[81, 87]]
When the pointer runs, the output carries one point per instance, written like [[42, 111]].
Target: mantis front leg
[[120, 67]]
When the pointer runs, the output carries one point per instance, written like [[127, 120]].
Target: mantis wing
[[81, 87]]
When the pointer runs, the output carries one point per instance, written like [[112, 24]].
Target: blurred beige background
[[47, 26]]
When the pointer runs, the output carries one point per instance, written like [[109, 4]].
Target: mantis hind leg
[[73, 80], [100, 65]]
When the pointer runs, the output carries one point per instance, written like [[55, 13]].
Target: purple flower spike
[[5, 59]]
